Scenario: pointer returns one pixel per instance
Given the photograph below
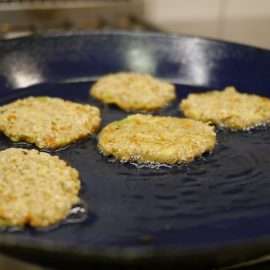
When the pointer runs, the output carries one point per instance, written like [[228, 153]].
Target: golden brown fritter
[[133, 92], [36, 188], [228, 108], [48, 122], [156, 139]]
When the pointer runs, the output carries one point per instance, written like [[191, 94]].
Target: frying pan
[[211, 213]]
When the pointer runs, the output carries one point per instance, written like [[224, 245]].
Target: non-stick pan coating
[[217, 208]]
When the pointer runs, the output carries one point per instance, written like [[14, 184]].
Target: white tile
[[244, 21], [181, 10], [247, 8]]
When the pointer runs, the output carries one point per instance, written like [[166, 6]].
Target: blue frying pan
[[213, 212]]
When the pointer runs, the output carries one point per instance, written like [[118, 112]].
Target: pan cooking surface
[[220, 200], [214, 196]]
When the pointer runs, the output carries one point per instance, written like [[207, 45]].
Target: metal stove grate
[[20, 17], [54, 4]]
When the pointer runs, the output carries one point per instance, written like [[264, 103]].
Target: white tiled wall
[[246, 21], [247, 8], [181, 9]]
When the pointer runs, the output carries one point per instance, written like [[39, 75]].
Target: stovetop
[[27, 17]]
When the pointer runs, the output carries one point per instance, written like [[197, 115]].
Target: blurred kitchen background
[[245, 21]]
